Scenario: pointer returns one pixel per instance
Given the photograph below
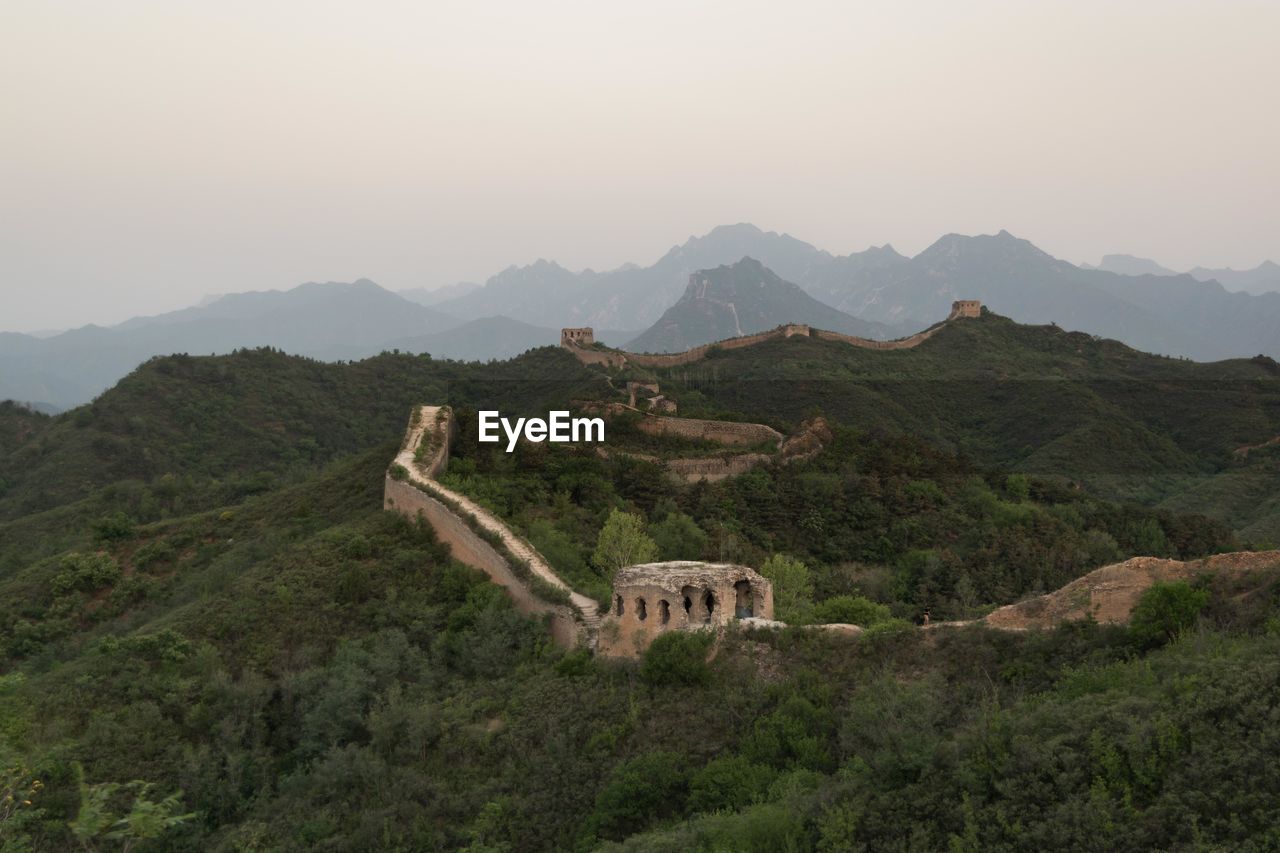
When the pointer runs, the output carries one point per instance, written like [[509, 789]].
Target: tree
[[851, 609], [646, 788], [622, 542], [677, 657], [1018, 487], [792, 587], [18, 788], [146, 819], [679, 537], [1166, 609]]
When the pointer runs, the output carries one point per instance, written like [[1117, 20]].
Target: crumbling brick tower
[[653, 598], [580, 337]]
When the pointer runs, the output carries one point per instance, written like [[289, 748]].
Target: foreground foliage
[[221, 640]]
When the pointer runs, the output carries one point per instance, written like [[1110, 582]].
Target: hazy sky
[[154, 152]]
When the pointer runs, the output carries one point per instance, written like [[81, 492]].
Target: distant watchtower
[[583, 337], [966, 308]]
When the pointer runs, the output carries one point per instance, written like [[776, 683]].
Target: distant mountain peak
[[735, 230], [1132, 265], [741, 298], [952, 247]]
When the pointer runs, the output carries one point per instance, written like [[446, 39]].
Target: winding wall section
[[617, 358], [417, 494]]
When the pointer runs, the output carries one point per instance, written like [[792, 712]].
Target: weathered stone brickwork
[[584, 336], [722, 432], [653, 598], [467, 547]]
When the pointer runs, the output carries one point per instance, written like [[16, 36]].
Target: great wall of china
[[581, 341], [411, 489], [479, 539]]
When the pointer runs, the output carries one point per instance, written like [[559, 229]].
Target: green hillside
[[1032, 398], [200, 591], [245, 421]]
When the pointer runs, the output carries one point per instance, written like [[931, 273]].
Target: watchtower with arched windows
[[653, 598]]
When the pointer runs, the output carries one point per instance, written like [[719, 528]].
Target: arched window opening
[[709, 603], [664, 611], [641, 611], [618, 604], [690, 595], [744, 600]]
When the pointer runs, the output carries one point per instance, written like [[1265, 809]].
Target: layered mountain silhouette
[[741, 299], [328, 321], [1264, 278], [1129, 265], [1170, 315], [630, 297], [1191, 318], [1180, 315]]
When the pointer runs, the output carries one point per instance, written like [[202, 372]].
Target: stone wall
[[714, 468], [722, 432], [609, 358], [866, 343], [959, 309], [418, 495], [437, 421], [467, 547]]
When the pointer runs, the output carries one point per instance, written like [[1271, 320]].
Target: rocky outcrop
[[1110, 593]]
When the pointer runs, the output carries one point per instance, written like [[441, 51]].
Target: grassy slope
[[313, 672]]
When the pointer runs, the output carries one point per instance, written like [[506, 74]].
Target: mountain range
[[875, 293], [1172, 315], [1264, 278], [327, 321]]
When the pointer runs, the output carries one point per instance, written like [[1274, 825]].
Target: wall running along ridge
[[420, 496], [616, 358], [721, 432]]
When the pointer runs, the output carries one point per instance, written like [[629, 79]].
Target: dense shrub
[[853, 609], [639, 792], [85, 573], [677, 658], [1164, 610]]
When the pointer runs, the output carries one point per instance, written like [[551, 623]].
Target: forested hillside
[[1035, 399], [199, 591]]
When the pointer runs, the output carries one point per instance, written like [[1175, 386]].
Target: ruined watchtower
[[581, 337], [653, 598], [966, 308]]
